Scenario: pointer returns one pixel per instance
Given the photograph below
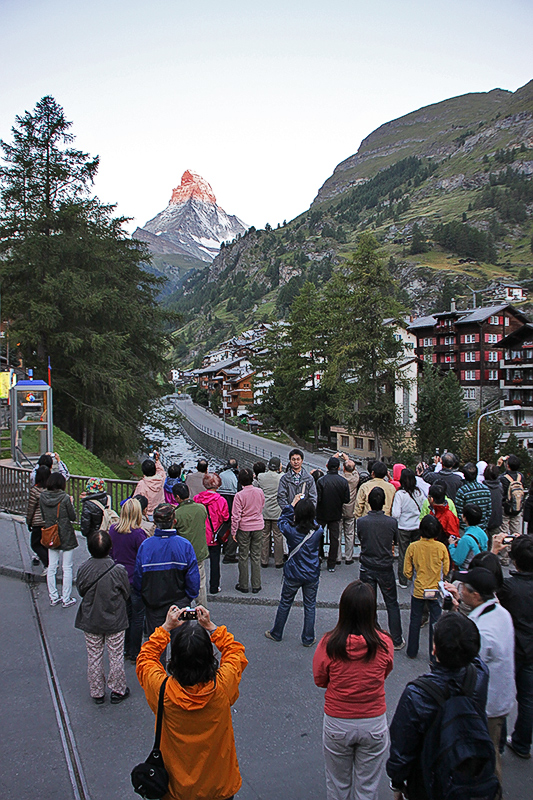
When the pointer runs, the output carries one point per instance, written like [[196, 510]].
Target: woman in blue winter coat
[[302, 568]]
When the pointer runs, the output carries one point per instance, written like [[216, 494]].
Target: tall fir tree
[[364, 357], [74, 288], [441, 413]]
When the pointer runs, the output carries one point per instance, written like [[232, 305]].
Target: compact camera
[[189, 613]]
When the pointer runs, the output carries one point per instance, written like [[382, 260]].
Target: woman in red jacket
[[351, 662]]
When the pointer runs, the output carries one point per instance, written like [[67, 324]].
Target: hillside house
[[463, 341], [516, 369]]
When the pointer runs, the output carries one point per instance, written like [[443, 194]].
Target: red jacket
[[447, 519]]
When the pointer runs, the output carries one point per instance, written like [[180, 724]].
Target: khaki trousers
[[495, 731], [271, 531], [250, 548]]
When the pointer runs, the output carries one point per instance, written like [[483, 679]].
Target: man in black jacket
[[377, 532], [333, 492], [516, 595], [456, 644], [447, 476]]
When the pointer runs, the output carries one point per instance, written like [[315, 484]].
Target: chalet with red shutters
[[463, 341]]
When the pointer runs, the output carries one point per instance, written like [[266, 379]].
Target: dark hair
[[99, 544], [437, 491], [174, 471], [470, 472], [522, 553], [376, 498], [181, 490], [148, 467], [379, 469], [408, 480], [456, 639], [513, 462], [192, 659], [448, 460], [164, 514], [296, 452], [333, 463], [45, 461], [246, 476], [429, 527], [56, 481], [491, 473], [41, 475], [358, 617], [143, 501], [472, 513], [202, 465], [317, 474], [304, 515], [491, 562], [259, 467]]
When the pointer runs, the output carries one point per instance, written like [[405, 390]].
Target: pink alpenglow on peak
[[193, 185]]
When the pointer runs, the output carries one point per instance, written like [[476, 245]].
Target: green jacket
[[190, 523]]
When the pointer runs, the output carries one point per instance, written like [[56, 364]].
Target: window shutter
[[434, 358], [462, 356], [486, 374], [421, 356], [478, 374], [476, 355], [462, 338], [500, 354], [487, 339], [501, 320], [476, 337], [462, 374]]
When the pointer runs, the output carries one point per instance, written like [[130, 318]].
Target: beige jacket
[[362, 506]]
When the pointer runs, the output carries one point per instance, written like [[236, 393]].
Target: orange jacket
[[197, 740]]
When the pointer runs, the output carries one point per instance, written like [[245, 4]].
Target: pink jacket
[[152, 488], [247, 510], [396, 472], [218, 511]]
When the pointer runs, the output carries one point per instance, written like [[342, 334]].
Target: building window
[[359, 444], [470, 394], [470, 375], [470, 338], [449, 359], [494, 320], [449, 340], [398, 337], [371, 445], [492, 338], [493, 374], [471, 356], [409, 345], [492, 356], [516, 354], [428, 342], [345, 441]]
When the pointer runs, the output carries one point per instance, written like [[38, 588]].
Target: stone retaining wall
[[211, 443]]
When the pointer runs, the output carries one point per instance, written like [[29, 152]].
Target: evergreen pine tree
[[441, 413]]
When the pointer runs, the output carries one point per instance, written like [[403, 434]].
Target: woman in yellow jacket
[[197, 741]]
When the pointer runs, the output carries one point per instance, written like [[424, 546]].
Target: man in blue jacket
[[166, 571]]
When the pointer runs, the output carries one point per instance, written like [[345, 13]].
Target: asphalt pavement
[[57, 744]]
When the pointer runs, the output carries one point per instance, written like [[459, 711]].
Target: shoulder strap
[[210, 520], [90, 586], [160, 708], [99, 504], [58, 506], [470, 680], [430, 687], [298, 546], [475, 539]]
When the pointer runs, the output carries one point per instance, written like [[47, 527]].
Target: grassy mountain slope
[[461, 170], [79, 460]]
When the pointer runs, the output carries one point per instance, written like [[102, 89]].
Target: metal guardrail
[[234, 442], [15, 487]]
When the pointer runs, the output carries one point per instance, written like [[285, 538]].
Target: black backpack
[[458, 759]]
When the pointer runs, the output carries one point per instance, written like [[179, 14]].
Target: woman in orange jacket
[[197, 741]]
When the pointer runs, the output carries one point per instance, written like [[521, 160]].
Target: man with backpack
[[440, 743], [512, 483]]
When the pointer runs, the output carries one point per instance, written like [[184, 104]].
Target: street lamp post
[[487, 414]]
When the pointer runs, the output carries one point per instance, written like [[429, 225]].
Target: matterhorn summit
[[192, 224]]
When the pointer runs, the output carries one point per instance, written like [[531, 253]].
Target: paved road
[[265, 448], [277, 719]]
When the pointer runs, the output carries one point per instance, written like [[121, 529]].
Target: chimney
[[452, 304]]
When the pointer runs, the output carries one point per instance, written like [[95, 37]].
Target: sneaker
[[349, 562], [68, 603], [215, 591], [513, 749], [226, 560], [256, 591], [45, 571], [425, 621], [279, 566], [309, 644], [401, 585], [99, 700], [269, 636], [264, 566], [331, 569], [118, 698], [240, 589], [55, 602], [35, 561], [400, 646]]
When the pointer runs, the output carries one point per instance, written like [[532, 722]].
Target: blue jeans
[[134, 634], [289, 590], [524, 697], [384, 578], [417, 608]]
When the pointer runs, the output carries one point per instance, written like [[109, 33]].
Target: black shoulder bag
[[150, 779]]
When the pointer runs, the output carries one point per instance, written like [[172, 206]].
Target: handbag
[[50, 536], [150, 778], [221, 534]]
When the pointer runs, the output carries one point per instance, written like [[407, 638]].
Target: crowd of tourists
[[440, 531]]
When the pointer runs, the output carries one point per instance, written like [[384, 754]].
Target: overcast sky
[[262, 100]]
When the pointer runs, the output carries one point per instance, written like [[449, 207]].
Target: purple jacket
[[125, 547]]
